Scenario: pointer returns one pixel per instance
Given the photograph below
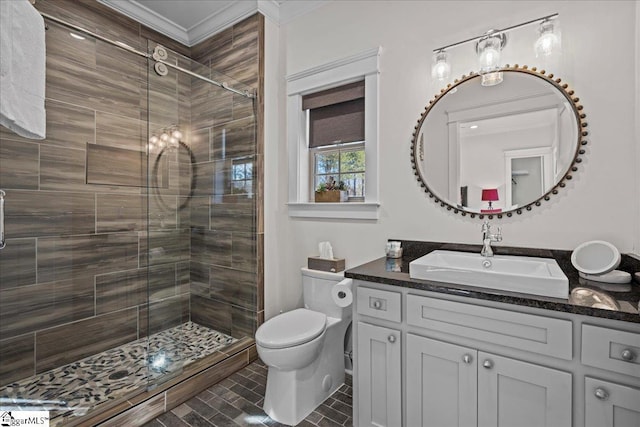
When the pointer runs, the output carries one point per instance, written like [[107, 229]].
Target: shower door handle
[[2, 242]]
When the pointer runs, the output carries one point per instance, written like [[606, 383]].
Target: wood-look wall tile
[[204, 182], [199, 212], [211, 313], [245, 32], [30, 308], [164, 314], [244, 251], [60, 44], [62, 169], [74, 341], [244, 107], [61, 257], [234, 139], [156, 38], [16, 355], [200, 144], [120, 131], [233, 287], [18, 263], [185, 390], [72, 11], [44, 213], [116, 166], [18, 164], [222, 41], [112, 58], [260, 272], [239, 215], [182, 277], [211, 247], [162, 95], [120, 212], [163, 211], [124, 289], [258, 187], [161, 247], [101, 90], [199, 277], [69, 126], [244, 322]]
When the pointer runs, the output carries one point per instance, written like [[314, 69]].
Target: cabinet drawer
[[528, 332], [610, 349], [379, 304]]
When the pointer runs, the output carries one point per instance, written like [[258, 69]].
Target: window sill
[[346, 210]]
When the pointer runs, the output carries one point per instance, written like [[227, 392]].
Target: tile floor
[[237, 401]]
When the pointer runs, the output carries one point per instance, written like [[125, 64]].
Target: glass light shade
[[440, 70], [548, 42], [177, 134], [491, 79], [489, 53], [173, 141], [164, 137], [154, 139]]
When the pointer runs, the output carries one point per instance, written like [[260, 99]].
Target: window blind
[[336, 115]]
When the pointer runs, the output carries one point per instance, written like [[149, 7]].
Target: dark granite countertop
[[396, 272]]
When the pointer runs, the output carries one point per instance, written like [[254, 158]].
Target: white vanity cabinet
[[444, 360], [378, 357]]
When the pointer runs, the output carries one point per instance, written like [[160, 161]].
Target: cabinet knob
[[391, 338], [601, 393], [487, 364], [628, 355], [467, 358], [377, 304]]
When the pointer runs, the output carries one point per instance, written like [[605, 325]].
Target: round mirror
[[502, 149]]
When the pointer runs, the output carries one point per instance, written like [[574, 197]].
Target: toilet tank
[[316, 292]]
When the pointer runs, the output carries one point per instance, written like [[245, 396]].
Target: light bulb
[[154, 139], [164, 137], [548, 40], [488, 49], [177, 134], [173, 141], [440, 70]]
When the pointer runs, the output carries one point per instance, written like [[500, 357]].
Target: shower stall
[[131, 236]]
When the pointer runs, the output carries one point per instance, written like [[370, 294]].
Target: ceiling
[[192, 21]]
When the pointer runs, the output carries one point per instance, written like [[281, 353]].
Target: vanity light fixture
[[548, 41], [169, 137], [441, 69], [489, 48]]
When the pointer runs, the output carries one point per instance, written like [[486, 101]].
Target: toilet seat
[[291, 329]]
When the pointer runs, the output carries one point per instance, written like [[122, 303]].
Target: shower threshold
[[75, 389]]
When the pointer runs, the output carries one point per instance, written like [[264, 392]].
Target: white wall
[[599, 61], [636, 114]]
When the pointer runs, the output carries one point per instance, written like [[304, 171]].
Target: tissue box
[[333, 265]]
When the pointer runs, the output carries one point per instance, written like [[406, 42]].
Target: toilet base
[[292, 395]]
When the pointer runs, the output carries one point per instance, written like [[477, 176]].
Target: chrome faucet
[[487, 238]]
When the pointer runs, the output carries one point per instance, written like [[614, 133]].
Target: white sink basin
[[529, 275]]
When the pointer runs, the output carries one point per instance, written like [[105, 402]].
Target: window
[[341, 163], [242, 177], [332, 131], [335, 133]]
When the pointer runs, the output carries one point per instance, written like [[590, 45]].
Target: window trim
[[364, 65]]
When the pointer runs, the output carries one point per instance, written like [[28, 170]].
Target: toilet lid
[[292, 328]]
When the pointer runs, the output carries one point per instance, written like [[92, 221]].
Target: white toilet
[[304, 350]]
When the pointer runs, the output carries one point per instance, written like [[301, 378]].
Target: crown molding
[[279, 11], [151, 19]]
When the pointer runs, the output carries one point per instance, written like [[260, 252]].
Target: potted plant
[[330, 191]]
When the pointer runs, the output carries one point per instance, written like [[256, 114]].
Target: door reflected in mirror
[[521, 137]]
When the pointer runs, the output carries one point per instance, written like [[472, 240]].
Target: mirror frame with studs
[[417, 147]]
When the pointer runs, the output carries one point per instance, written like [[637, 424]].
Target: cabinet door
[[514, 393], [611, 405], [378, 376], [441, 384]]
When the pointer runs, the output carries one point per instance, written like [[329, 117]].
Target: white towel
[[22, 69]]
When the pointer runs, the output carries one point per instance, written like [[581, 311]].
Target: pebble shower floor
[[72, 390]]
